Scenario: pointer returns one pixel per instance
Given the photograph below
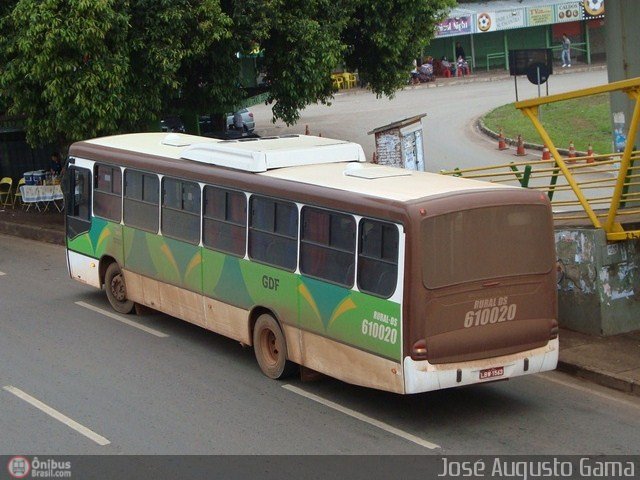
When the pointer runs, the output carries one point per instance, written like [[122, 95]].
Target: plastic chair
[[338, 81], [349, 79], [5, 191], [18, 194]]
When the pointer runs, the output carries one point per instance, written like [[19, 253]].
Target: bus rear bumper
[[421, 376]]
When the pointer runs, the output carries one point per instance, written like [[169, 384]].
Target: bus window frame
[[381, 259], [107, 194], [302, 242], [273, 233], [226, 220], [141, 201], [182, 210]]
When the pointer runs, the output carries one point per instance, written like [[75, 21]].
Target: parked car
[[247, 120], [172, 124]]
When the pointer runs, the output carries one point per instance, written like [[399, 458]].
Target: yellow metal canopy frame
[[614, 230]]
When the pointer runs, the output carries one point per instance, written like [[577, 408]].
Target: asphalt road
[[451, 139], [194, 392]]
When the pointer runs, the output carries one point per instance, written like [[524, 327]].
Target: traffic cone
[[590, 158], [572, 152], [546, 154], [306, 130], [520, 149], [502, 144]]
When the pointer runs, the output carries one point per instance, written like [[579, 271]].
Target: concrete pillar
[[622, 37], [598, 282]]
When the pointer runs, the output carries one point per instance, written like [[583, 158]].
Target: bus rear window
[[486, 243]]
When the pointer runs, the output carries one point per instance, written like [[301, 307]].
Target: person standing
[[460, 51], [566, 52]]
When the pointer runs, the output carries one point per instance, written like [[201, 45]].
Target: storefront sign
[[455, 26], [568, 12], [509, 19], [540, 15], [486, 22]]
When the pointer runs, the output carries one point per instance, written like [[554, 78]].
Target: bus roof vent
[[371, 172], [176, 140], [261, 155]]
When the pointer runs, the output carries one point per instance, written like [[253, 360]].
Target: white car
[[248, 122]]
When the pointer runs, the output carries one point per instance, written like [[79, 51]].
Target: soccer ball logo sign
[[484, 22], [594, 7]]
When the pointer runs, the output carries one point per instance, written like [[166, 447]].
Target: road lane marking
[[364, 418], [120, 318], [52, 412], [590, 391], [2, 273]]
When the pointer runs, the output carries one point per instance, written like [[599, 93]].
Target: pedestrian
[[238, 122], [56, 165], [460, 51], [566, 53]]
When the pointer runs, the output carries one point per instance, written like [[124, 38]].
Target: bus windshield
[[485, 243]]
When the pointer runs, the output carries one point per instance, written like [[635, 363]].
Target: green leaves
[[85, 68]]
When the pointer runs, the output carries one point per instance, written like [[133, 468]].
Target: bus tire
[[270, 347], [117, 290]]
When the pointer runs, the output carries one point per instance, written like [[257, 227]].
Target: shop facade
[[488, 30]]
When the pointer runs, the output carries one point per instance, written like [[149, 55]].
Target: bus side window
[[378, 258], [107, 198], [141, 193], [327, 246], [181, 210], [224, 223], [273, 232], [79, 205]]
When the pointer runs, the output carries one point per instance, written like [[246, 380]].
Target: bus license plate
[[491, 372]]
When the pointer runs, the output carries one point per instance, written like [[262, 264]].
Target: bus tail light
[[419, 350], [553, 333]]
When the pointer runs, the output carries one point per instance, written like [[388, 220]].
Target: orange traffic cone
[[502, 144], [546, 154], [306, 130], [572, 152], [590, 158], [520, 149]]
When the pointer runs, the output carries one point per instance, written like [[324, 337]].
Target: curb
[[514, 142], [605, 379], [40, 234]]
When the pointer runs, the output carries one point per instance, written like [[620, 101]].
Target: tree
[[85, 68]]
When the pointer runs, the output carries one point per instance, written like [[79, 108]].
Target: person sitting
[[56, 164], [425, 72], [414, 74], [447, 68], [462, 67]]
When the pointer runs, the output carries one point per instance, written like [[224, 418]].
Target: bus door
[[78, 202], [80, 255]]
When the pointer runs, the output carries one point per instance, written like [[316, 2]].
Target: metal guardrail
[[595, 175], [605, 187], [611, 226]]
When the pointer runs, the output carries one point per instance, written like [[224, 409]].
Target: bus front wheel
[[270, 348], [117, 290]]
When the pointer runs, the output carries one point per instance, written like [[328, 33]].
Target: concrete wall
[[599, 282]]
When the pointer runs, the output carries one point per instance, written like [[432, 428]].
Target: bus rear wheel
[[270, 348], [117, 290]]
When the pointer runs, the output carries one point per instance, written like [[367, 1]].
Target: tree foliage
[[85, 68]]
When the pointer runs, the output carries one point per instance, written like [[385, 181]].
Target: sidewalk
[[610, 361]]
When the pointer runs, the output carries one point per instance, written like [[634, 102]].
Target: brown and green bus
[[397, 280]]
